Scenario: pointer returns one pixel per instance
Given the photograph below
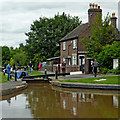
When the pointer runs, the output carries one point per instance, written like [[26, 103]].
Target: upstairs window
[[64, 45], [74, 44]]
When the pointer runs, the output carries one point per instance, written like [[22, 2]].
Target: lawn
[[35, 73], [109, 80], [3, 78]]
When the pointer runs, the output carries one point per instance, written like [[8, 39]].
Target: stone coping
[[11, 87], [86, 85]]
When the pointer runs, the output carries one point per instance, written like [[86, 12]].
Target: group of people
[[31, 65], [30, 69], [94, 65]]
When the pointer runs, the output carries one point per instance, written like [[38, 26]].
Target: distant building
[[72, 50]]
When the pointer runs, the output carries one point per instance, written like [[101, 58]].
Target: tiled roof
[[75, 32]]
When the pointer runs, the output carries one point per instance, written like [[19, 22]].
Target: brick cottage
[[72, 50]]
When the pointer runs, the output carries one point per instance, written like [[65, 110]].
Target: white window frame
[[74, 43], [69, 61], [74, 60], [64, 60], [64, 45]]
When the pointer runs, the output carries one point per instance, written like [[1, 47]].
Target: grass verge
[[35, 73], [3, 78], [109, 80]]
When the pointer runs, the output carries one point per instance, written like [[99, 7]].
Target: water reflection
[[45, 101], [85, 105], [115, 101]]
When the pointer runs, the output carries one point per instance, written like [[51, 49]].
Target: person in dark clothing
[[14, 67], [8, 71], [95, 65], [30, 66], [63, 67]]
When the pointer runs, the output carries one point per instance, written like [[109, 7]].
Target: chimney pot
[[93, 5], [113, 14], [96, 6], [113, 19], [90, 5]]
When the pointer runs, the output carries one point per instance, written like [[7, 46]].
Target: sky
[[16, 16]]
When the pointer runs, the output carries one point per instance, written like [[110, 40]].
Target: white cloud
[[61, 1], [12, 39], [17, 15]]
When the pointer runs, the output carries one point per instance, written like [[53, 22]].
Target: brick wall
[[49, 68], [72, 68], [69, 50]]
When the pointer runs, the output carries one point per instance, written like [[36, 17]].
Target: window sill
[[74, 48]]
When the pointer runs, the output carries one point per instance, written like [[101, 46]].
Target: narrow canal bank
[[12, 87], [110, 82], [86, 85], [42, 100]]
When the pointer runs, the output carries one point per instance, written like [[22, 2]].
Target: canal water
[[42, 100]]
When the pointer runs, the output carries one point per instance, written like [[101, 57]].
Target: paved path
[[11, 87], [80, 76]]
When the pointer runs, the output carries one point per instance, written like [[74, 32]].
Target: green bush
[[110, 71], [105, 70], [116, 71], [36, 67]]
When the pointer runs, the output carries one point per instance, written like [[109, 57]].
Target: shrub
[[105, 70], [110, 71], [36, 67], [116, 71]]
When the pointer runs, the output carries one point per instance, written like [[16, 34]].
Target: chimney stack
[[92, 12], [119, 15], [113, 20]]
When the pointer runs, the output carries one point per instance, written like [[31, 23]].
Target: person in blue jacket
[[8, 71]]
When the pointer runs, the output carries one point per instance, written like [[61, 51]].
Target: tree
[[102, 34], [5, 55], [21, 46], [19, 58], [108, 53], [44, 36], [101, 42]]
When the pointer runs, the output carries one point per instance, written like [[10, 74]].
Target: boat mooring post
[[45, 71], [15, 75], [56, 73]]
